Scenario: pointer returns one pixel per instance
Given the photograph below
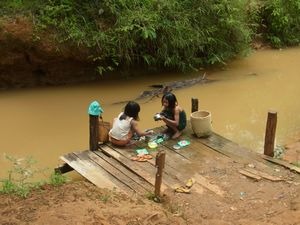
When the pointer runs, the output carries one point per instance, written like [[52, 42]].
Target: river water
[[48, 122]]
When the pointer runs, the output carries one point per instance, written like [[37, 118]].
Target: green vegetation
[[170, 34], [21, 177], [282, 22]]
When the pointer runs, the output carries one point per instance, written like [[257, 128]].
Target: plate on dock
[[142, 151], [183, 143], [152, 144]]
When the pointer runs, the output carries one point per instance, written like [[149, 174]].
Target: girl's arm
[[134, 127], [174, 122]]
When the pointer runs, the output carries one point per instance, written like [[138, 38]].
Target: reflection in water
[[48, 122]]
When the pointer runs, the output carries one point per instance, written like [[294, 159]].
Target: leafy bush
[[171, 34], [254, 18], [282, 20]]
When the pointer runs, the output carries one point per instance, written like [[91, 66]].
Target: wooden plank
[[174, 161], [171, 173], [93, 173], [205, 183], [204, 144], [219, 145], [281, 163], [172, 155], [195, 150], [263, 174], [187, 155], [124, 170], [122, 174], [234, 151], [136, 187], [169, 179], [251, 175], [142, 169]]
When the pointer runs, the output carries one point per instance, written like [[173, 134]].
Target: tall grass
[[21, 177]]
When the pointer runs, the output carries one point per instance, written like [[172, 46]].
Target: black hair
[[131, 109], [171, 98]]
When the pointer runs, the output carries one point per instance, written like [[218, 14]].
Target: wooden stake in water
[[195, 104], [270, 133]]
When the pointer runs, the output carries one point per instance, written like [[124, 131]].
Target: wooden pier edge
[[91, 167], [63, 168]]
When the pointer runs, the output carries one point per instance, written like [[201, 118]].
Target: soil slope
[[29, 59]]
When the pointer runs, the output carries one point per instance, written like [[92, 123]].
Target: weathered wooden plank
[[219, 145], [93, 173], [251, 175], [187, 156], [196, 144], [263, 174], [231, 149], [172, 155], [193, 151], [130, 177], [171, 173], [282, 163], [143, 169], [206, 183], [175, 161], [124, 170], [121, 177]]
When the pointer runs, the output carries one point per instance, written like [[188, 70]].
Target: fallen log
[[160, 89]]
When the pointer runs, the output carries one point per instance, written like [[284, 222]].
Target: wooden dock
[[112, 167]]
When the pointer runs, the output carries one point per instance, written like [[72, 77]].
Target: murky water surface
[[47, 122]]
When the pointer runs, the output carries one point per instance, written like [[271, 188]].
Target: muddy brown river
[[47, 122]]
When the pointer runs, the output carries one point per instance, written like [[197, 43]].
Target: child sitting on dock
[[125, 125], [172, 115]]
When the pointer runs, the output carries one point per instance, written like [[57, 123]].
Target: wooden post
[[270, 133], [195, 104], [160, 164], [94, 132]]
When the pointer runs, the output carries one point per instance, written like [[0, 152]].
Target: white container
[[201, 123]]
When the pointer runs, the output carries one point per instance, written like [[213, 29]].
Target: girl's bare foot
[[176, 135]]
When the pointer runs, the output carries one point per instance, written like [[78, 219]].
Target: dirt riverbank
[[243, 201]]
